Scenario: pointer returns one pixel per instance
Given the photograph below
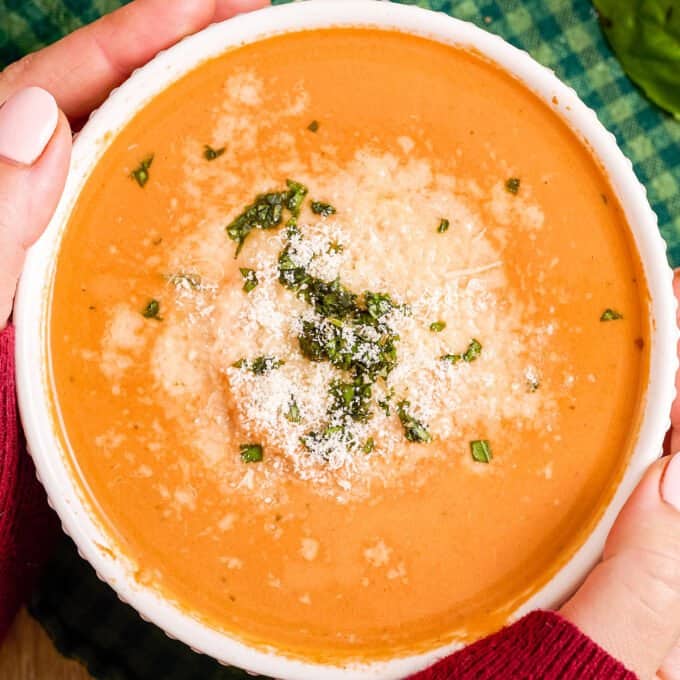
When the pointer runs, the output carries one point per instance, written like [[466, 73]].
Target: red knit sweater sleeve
[[27, 525], [541, 646]]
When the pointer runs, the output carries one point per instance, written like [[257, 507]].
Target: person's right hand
[[64, 82]]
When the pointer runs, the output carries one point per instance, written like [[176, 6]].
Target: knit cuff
[[8, 412], [27, 526], [541, 645]]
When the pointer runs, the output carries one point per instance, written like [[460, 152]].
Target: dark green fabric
[[83, 615]]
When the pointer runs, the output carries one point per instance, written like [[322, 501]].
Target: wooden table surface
[[28, 654]]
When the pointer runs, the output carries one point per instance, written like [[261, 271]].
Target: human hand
[[630, 602], [63, 82]]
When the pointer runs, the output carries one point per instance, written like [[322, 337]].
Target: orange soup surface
[[349, 339]]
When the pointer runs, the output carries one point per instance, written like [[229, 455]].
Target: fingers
[[630, 603], [224, 9], [675, 409], [35, 147], [82, 68], [670, 670]]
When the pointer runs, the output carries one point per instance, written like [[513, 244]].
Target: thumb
[[630, 602], [35, 146]]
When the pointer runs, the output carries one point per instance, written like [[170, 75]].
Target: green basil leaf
[[645, 36], [251, 453], [480, 449], [610, 315]]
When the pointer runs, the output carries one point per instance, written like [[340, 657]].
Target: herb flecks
[[512, 185], [610, 315], [249, 279], [251, 453], [152, 310], [210, 154], [267, 211], [293, 413], [352, 331], [325, 442], [414, 430], [480, 449], [141, 173], [185, 280], [261, 365], [323, 209], [385, 402], [368, 446], [378, 305], [471, 354], [356, 348], [313, 126], [352, 399], [437, 326], [443, 226]]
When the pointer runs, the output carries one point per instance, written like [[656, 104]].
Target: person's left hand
[[64, 82]]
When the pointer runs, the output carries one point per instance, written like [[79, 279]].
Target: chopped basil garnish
[[152, 310], [250, 279], [313, 126], [292, 228], [141, 173], [294, 196], [473, 351], [266, 212], [211, 154], [443, 226], [293, 413], [251, 453], [437, 326], [325, 442], [481, 451], [260, 365], [470, 354], [512, 185], [368, 446], [385, 403], [414, 430], [352, 331], [378, 305], [323, 209], [349, 347], [191, 280], [611, 315], [351, 399]]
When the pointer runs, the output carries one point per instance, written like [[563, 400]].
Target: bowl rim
[[31, 312]]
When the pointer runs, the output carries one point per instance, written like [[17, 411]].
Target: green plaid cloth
[[83, 615]]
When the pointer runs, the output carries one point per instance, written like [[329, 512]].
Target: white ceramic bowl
[[32, 310]]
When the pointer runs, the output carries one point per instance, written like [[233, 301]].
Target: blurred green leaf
[[645, 35]]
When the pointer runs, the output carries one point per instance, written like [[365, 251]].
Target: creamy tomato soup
[[349, 342]]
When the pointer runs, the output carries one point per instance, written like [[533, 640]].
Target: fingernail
[[28, 120], [670, 482]]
